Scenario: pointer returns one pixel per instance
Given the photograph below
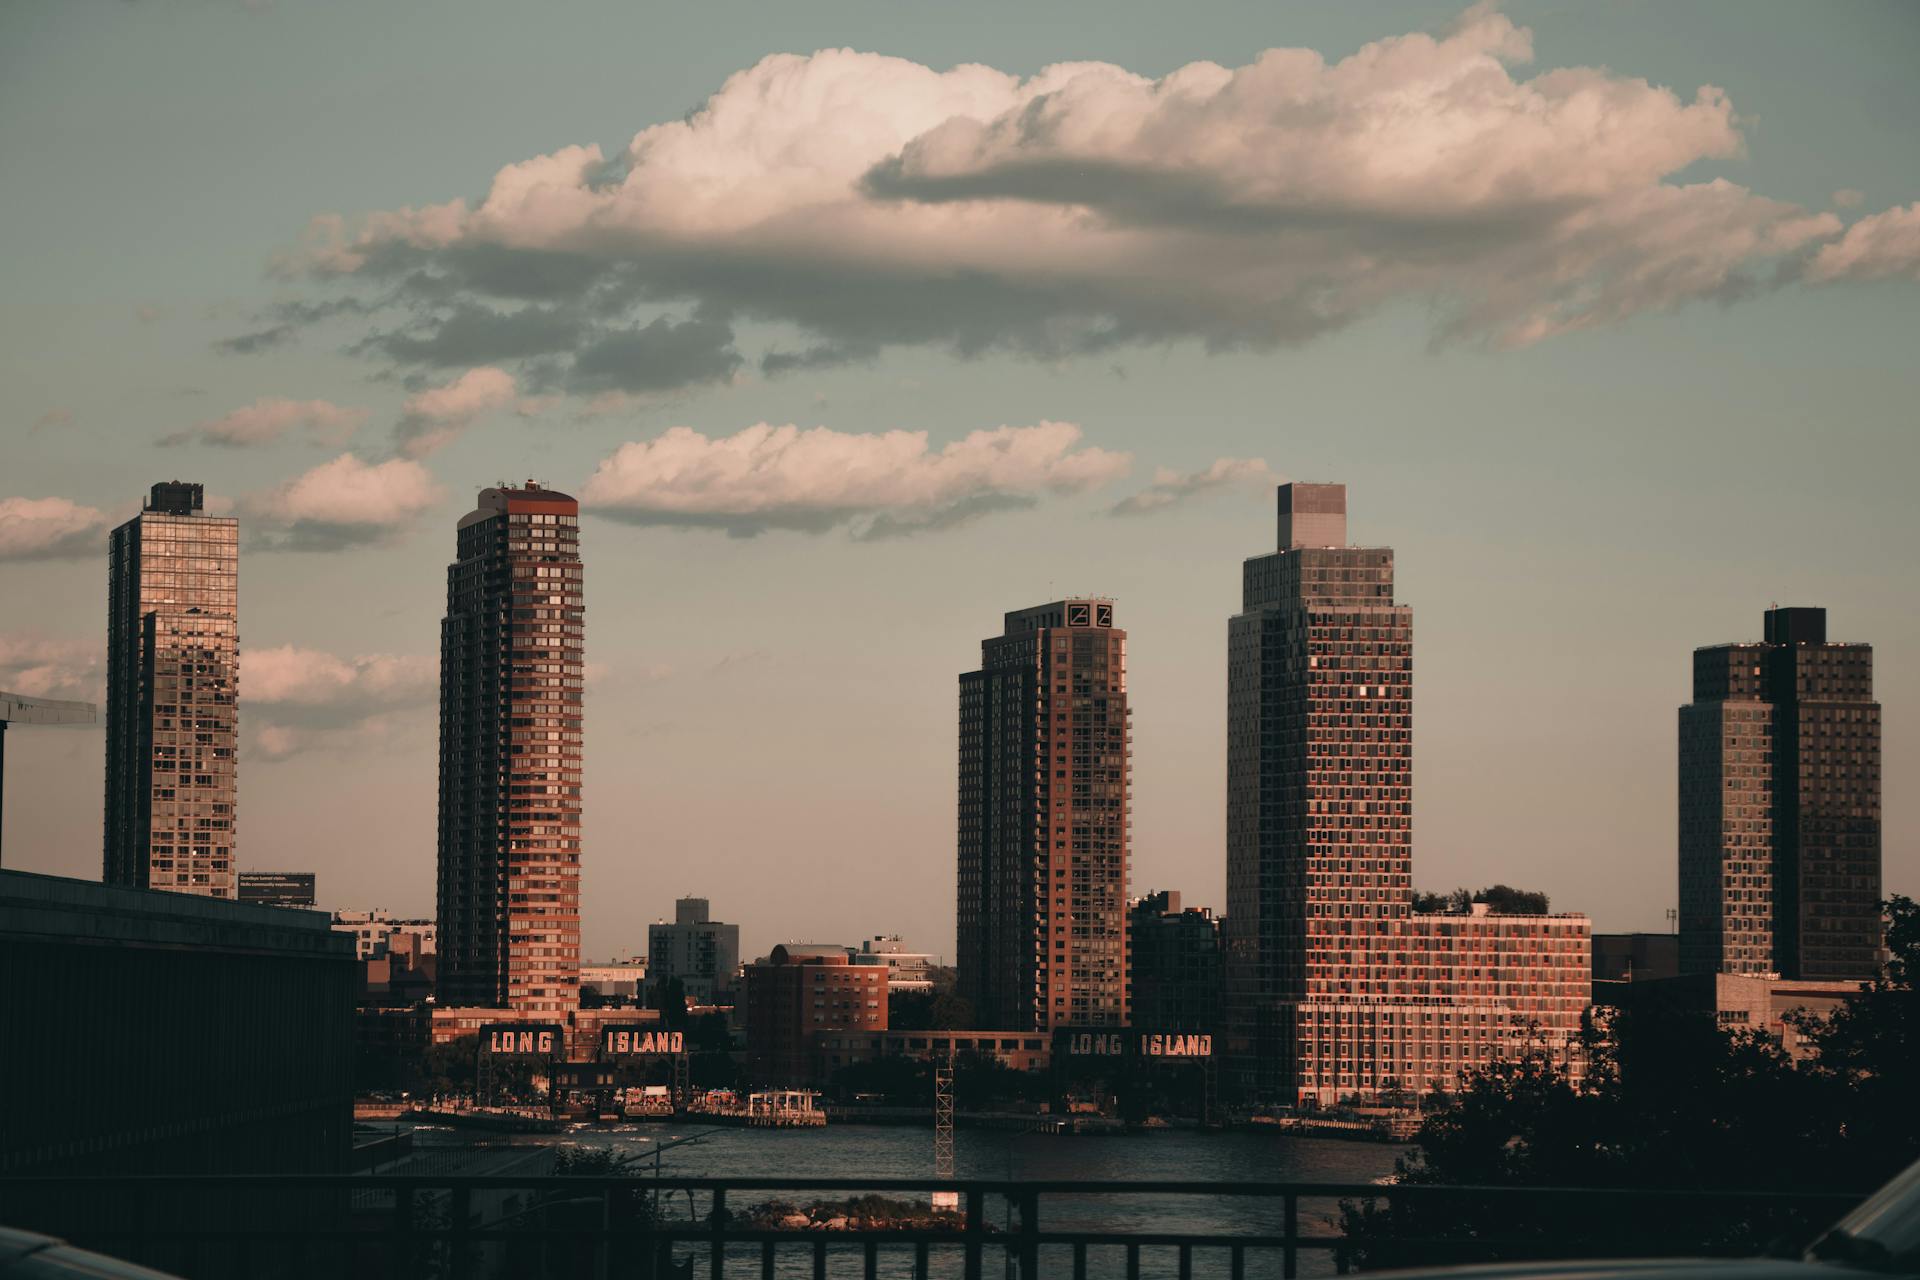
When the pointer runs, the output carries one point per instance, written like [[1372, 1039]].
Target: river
[[873, 1151]]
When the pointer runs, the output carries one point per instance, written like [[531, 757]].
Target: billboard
[[522, 1040], [277, 888], [640, 1041]]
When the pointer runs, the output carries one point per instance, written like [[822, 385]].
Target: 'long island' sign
[[1132, 1044]]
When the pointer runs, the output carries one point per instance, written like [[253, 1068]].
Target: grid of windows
[[173, 681], [512, 655], [1045, 751]]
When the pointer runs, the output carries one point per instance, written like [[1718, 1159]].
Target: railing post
[[974, 1229], [460, 1209], [1291, 1250], [399, 1258], [717, 1220], [1029, 1235]]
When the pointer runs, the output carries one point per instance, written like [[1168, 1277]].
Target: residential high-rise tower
[[511, 653], [173, 682], [1780, 806], [1045, 768], [1335, 988]]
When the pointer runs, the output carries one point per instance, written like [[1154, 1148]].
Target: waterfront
[[863, 1151]]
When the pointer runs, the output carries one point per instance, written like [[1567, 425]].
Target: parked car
[[26, 1256]]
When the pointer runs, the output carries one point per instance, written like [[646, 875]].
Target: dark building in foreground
[[1780, 806], [278, 888], [155, 1033], [173, 685], [1045, 753], [1174, 958], [511, 654]]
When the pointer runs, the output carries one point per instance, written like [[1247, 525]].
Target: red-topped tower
[[511, 649]]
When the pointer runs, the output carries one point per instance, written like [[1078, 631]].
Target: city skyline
[[1537, 500]]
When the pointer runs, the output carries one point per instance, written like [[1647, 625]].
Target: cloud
[[50, 529], [55, 417], [146, 313], [1848, 198], [878, 485], [1877, 247], [295, 699], [270, 417], [287, 676], [869, 202], [1171, 487], [437, 416], [41, 666], [340, 504]]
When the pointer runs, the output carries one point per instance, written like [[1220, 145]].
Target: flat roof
[[66, 910]]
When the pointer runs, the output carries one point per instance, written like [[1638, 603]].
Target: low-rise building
[[703, 954], [906, 970], [1019, 1050], [1635, 957], [616, 982], [802, 991], [1766, 1003], [374, 933], [1173, 954], [1442, 994]]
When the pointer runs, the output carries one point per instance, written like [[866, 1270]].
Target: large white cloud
[[438, 415], [872, 201], [271, 417], [786, 477], [1879, 246], [49, 529], [342, 503]]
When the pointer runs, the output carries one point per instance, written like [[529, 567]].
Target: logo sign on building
[[1132, 1044], [521, 1040], [641, 1042]]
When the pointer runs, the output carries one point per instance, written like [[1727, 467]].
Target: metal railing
[[544, 1226]]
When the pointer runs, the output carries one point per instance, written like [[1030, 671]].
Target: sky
[[855, 326]]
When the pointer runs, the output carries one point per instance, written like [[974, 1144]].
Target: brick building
[[799, 993], [1045, 751]]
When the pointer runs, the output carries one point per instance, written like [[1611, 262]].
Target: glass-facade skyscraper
[[1780, 806], [1045, 770], [511, 653], [173, 683]]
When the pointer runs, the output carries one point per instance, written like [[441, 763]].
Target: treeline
[[1501, 899]]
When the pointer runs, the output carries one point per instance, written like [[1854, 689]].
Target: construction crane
[[18, 709]]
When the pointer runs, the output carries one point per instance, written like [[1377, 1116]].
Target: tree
[[1669, 1101]]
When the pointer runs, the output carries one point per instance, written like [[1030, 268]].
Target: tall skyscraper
[[1045, 770], [173, 682], [1335, 988], [1780, 806], [1319, 773], [511, 653]]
